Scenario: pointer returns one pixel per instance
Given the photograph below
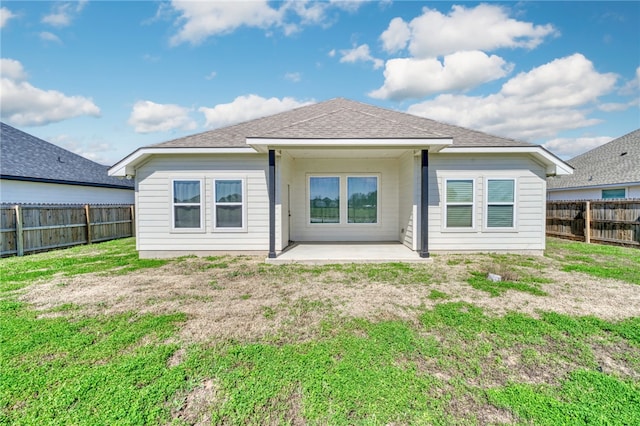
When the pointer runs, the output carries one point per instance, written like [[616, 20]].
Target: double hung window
[[500, 203], [187, 204], [229, 204], [459, 203]]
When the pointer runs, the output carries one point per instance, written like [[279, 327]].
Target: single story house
[[339, 171], [33, 171], [609, 171]]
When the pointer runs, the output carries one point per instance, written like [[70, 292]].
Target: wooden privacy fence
[[37, 228], [598, 221]]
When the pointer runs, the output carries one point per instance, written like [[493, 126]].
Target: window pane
[[228, 191], [363, 199], [608, 194], [324, 199], [459, 191], [459, 216], [186, 216], [501, 191], [228, 216], [500, 216], [186, 191]]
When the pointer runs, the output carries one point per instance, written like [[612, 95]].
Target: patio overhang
[[343, 145]]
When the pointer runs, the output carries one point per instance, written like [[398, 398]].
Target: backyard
[[94, 335]]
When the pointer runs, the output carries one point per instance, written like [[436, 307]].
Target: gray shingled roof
[[616, 162], [339, 119], [26, 157]]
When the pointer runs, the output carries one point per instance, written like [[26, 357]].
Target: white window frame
[[346, 191], [486, 203], [220, 229], [201, 204], [446, 205], [341, 217], [613, 189]]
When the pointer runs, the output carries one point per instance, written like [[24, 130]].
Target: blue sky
[[102, 78]]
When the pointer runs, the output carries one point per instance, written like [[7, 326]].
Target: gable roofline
[[332, 123], [28, 158], [613, 163]]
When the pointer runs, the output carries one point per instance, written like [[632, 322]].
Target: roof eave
[[127, 166], [554, 165], [432, 144]]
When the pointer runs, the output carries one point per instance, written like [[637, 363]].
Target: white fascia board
[[262, 144], [555, 166], [599, 186], [126, 166]]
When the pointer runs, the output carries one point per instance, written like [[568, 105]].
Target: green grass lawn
[[455, 364]]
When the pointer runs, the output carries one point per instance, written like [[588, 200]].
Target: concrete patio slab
[[327, 253]]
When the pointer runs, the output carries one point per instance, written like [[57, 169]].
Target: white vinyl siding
[[408, 199], [16, 191], [530, 191], [386, 228], [500, 204], [154, 193], [631, 191], [229, 205], [459, 204]]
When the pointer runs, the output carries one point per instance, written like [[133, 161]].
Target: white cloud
[[538, 104], [293, 76], [5, 15], [47, 36], [485, 27], [211, 75], [332, 53], [62, 14], [413, 78], [12, 69], [632, 86], [568, 148], [148, 117], [396, 36], [202, 19], [25, 105], [244, 108], [360, 54], [95, 150]]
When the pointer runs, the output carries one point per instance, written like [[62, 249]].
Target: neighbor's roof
[[616, 162], [28, 158], [339, 119]]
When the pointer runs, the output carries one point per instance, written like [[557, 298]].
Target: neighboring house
[[38, 172], [610, 171], [340, 170]]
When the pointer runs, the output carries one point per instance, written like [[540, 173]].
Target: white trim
[[377, 177], [243, 204], [308, 200], [555, 166], [126, 166], [202, 204], [601, 186], [445, 204], [486, 227]]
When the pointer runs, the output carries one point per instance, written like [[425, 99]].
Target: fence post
[[87, 214], [19, 231], [133, 220], [587, 222]]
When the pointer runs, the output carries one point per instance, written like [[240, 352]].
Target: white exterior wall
[[283, 172], [387, 228], [632, 191], [407, 199], [15, 191], [529, 234], [154, 204]]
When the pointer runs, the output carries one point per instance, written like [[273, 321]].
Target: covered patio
[[321, 253]]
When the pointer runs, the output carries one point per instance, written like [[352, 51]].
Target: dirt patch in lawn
[[243, 299]]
